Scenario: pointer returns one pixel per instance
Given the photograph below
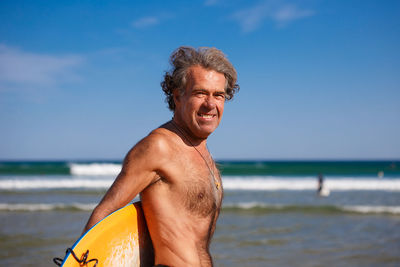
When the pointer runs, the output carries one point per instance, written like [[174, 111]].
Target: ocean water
[[271, 215]]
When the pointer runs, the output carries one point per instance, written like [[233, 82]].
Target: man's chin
[[205, 131]]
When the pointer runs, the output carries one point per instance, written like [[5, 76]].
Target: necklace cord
[[217, 183]]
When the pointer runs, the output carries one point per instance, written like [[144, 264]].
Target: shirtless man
[[172, 169]]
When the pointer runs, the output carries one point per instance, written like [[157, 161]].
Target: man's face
[[199, 110]]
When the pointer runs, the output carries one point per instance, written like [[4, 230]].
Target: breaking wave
[[229, 207], [46, 207], [95, 169], [265, 208], [251, 183]]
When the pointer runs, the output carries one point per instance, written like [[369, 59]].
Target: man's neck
[[187, 135]]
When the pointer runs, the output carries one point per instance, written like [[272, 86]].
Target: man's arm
[[138, 171]]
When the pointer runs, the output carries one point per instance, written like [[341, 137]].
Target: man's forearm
[[97, 215]]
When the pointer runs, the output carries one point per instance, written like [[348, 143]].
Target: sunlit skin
[[179, 196]]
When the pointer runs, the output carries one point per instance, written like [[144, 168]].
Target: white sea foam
[[45, 206], [373, 209], [53, 183], [308, 183], [256, 183], [363, 209], [95, 169]]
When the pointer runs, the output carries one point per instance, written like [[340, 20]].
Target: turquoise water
[[371, 168], [271, 213]]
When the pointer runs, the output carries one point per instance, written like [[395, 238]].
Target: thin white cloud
[[146, 22], [25, 70], [150, 21], [251, 18], [290, 12]]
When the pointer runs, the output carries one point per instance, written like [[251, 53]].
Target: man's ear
[[177, 96]]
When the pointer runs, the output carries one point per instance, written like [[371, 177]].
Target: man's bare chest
[[200, 189]]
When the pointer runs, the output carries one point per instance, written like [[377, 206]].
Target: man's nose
[[210, 102]]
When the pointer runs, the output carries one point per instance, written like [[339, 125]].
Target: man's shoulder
[[159, 142], [161, 138]]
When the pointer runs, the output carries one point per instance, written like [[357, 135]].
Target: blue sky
[[319, 79]]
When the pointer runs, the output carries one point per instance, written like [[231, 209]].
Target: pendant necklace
[[216, 182]]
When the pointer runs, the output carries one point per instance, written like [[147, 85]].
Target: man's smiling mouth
[[206, 116]]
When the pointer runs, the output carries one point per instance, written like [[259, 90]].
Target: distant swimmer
[[323, 192]]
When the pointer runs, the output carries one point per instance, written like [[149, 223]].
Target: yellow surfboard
[[120, 239]]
